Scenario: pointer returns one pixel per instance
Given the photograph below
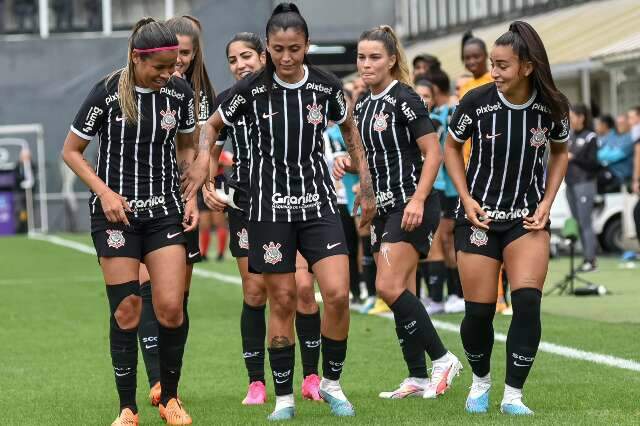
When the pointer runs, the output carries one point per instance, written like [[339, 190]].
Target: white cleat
[[454, 304], [442, 374], [409, 388]]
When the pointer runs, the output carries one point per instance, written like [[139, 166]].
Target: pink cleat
[[256, 395], [311, 388]]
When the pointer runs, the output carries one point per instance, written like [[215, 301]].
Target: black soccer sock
[[148, 335], [453, 282], [418, 283], [524, 334], [171, 343], [185, 313], [368, 266], [282, 361], [334, 352], [435, 280], [124, 346], [253, 330], [423, 267], [308, 330], [476, 332], [409, 313], [413, 353]]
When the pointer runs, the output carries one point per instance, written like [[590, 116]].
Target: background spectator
[[615, 153]]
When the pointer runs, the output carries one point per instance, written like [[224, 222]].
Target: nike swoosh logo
[[123, 374], [265, 115], [492, 136], [170, 236], [413, 331], [337, 370], [150, 346], [280, 382], [119, 119], [383, 235], [330, 246], [192, 255], [521, 365]]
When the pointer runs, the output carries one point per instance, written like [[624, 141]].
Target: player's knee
[[127, 315], [169, 314], [282, 301], [336, 298], [479, 312], [306, 300], [526, 302], [255, 293], [389, 287]]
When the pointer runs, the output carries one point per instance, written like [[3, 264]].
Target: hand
[[475, 213], [212, 199], [194, 177], [412, 217], [368, 210], [114, 206], [191, 215], [340, 166], [539, 219]]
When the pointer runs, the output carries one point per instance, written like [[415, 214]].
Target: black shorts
[[239, 237], [193, 246], [387, 228], [138, 239], [201, 204], [448, 205], [491, 243], [273, 245]]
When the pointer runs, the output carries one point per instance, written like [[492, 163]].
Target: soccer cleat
[[454, 304], [256, 395], [379, 308], [515, 408], [478, 399], [126, 418], [331, 392], [174, 413], [368, 304], [435, 308], [588, 266], [409, 388], [154, 394], [501, 305], [286, 413], [442, 375], [311, 388]]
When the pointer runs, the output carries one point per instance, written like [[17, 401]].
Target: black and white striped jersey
[[290, 180], [389, 124], [506, 170], [138, 160], [238, 133]]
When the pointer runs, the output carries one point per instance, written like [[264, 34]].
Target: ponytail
[[526, 43], [388, 38], [285, 15], [147, 33], [197, 73]]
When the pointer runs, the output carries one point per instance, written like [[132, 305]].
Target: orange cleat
[[154, 394], [174, 413], [126, 418]]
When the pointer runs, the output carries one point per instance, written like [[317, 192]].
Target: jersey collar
[[143, 89], [521, 106], [384, 92], [292, 85]]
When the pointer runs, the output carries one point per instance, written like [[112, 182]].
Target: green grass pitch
[[55, 366]]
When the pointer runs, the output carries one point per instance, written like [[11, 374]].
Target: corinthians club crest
[[315, 114], [116, 239], [380, 121], [168, 119], [478, 237], [539, 137], [243, 239], [272, 253]]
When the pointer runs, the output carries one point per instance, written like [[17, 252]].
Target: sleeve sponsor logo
[[565, 127], [191, 117], [341, 103], [235, 103], [92, 115], [463, 122], [408, 112], [488, 108]]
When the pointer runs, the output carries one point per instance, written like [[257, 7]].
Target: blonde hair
[[391, 43], [147, 33]]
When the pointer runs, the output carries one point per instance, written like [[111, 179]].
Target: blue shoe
[[477, 405], [339, 407], [286, 413], [368, 304], [516, 409]]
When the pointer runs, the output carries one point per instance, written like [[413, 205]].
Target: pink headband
[[157, 49]]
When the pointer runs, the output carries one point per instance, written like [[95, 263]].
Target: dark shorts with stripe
[[238, 234]]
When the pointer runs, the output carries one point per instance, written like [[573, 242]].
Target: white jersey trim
[[515, 106], [457, 139], [143, 89], [384, 92], [559, 140], [189, 130], [82, 135], [224, 119], [292, 85]]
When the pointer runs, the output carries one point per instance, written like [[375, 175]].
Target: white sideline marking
[[552, 348]]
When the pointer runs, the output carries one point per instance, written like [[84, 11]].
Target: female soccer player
[[397, 133], [191, 67], [145, 119], [505, 199], [292, 202], [245, 54]]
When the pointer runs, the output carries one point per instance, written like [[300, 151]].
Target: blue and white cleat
[[478, 398], [332, 394], [286, 413], [515, 408]]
